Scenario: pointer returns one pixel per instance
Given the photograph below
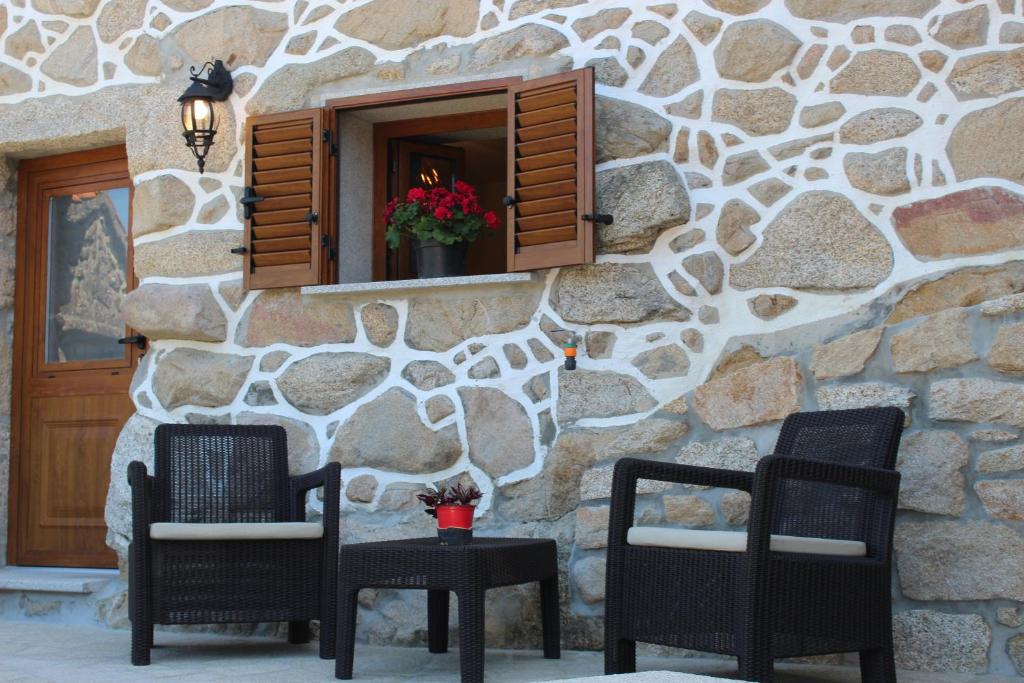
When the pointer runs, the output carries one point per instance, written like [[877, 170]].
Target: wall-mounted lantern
[[197, 114]]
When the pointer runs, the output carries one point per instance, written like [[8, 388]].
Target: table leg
[[437, 620], [298, 632], [550, 618], [471, 635], [345, 649]]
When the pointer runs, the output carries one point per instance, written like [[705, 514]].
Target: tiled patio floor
[[49, 652]]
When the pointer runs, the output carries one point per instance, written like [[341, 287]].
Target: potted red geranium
[[441, 224], [453, 507]]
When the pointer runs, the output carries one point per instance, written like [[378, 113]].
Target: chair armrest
[[328, 476], [772, 468], [629, 470], [632, 469], [775, 468], [141, 484]]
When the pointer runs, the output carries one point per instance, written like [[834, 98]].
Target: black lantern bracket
[[217, 85]]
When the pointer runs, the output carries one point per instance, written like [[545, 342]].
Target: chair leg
[[142, 641], [139, 609], [298, 632], [328, 631], [345, 647], [757, 669], [753, 634], [329, 603], [619, 656], [877, 666]]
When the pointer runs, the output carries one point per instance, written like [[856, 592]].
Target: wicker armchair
[[219, 536], [810, 576]]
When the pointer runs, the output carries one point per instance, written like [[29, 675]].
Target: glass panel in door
[[87, 275]]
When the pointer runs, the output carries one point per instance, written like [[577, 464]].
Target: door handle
[[138, 340]]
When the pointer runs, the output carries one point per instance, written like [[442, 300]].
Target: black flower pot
[[434, 259], [455, 536]]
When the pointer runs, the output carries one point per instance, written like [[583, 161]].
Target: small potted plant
[[441, 224], [453, 507]]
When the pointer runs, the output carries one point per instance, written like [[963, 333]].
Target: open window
[[317, 180]]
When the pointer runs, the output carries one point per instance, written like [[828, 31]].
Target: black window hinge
[[312, 217], [239, 250], [508, 200], [325, 242], [332, 145]]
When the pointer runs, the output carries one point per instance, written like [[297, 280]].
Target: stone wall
[[818, 204]]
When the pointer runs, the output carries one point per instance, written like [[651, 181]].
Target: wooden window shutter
[[551, 171], [285, 163]]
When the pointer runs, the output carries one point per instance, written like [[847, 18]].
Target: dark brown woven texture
[[832, 476], [210, 474], [467, 570]]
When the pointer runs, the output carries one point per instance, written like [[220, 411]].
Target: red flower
[[464, 188], [492, 221], [438, 196], [442, 214], [416, 194], [469, 205]]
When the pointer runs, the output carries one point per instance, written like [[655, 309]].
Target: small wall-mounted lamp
[[197, 114]]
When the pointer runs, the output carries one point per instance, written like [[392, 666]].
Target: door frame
[[22, 361]]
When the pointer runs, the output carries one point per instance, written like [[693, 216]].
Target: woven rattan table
[[467, 570]]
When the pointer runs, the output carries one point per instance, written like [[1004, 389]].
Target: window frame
[[334, 107], [535, 109]]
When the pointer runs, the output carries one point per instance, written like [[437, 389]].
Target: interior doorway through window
[[426, 144]]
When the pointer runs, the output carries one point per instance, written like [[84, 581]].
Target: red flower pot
[[455, 516]]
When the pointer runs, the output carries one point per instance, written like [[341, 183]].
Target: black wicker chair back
[[218, 473], [864, 437]]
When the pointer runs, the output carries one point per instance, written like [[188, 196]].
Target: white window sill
[[430, 283]]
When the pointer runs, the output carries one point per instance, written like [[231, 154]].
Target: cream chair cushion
[[736, 541], [247, 531]]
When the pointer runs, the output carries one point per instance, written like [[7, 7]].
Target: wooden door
[[71, 375]]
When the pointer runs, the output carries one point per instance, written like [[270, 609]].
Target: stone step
[[55, 579], [55, 594]]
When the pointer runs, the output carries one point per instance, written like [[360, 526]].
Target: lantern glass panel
[[197, 115]]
